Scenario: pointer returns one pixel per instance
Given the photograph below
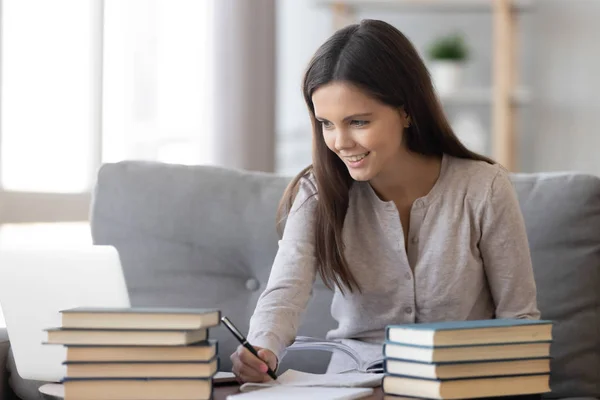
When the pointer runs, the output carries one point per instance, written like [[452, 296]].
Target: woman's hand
[[248, 368]]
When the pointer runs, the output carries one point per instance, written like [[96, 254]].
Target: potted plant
[[448, 55]]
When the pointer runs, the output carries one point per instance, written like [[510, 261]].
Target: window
[[156, 83], [85, 82]]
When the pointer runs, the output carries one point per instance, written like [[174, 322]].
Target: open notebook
[[360, 365]]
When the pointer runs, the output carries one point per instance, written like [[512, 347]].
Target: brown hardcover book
[[77, 369], [140, 318], [125, 337], [135, 389], [202, 351]]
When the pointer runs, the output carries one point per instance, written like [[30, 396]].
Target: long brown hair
[[378, 58]]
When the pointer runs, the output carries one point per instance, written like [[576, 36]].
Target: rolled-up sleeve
[[280, 307]]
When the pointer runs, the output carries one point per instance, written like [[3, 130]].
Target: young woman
[[395, 214]]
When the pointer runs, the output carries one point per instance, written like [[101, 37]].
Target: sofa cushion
[[197, 236], [562, 216]]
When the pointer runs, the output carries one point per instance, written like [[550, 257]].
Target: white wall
[[559, 63], [567, 83]]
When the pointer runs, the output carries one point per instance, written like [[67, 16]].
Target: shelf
[[428, 5], [483, 96]]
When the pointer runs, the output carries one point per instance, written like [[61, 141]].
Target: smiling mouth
[[357, 157]]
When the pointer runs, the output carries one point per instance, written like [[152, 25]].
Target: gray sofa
[[205, 237]]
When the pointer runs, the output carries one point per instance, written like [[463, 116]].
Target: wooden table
[[221, 392]]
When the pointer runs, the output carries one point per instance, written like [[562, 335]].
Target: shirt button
[[408, 310], [408, 276], [415, 239]]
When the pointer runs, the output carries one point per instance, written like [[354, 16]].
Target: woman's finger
[[249, 374], [251, 360], [246, 372]]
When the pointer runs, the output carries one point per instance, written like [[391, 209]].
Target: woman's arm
[[505, 251], [277, 315]]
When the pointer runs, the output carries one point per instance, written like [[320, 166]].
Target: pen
[[238, 335]]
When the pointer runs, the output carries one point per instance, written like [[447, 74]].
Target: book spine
[[499, 377], [454, 346], [485, 361]]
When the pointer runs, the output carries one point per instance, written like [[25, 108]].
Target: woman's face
[[365, 133]]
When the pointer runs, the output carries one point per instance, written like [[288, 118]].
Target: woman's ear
[[405, 118]]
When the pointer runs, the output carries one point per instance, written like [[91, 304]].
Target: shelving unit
[[503, 97], [429, 5]]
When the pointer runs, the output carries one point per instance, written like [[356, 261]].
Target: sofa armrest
[[4, 346]]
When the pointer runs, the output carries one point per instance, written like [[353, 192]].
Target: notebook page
[[302, 393], [304, 379]]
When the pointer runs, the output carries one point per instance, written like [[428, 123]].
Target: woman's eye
[[359, 123], [326, 124]]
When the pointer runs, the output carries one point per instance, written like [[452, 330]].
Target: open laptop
[[37, 283]]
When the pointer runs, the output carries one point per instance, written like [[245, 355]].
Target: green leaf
[[451, 48]]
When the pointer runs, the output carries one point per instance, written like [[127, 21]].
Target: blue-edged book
[[457, 333], [466, 388], [477, 352], [466, 369]]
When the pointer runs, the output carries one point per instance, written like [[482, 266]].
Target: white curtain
[[189, 81], [244, 83]]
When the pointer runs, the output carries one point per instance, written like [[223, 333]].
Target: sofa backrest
[[197, 236], [562, 218]]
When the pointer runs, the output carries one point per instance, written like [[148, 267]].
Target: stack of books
[[138, 353], [467, 359]]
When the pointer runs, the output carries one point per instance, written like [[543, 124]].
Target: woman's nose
[[343, 140]]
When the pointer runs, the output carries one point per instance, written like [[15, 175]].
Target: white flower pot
[[446, 76]]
